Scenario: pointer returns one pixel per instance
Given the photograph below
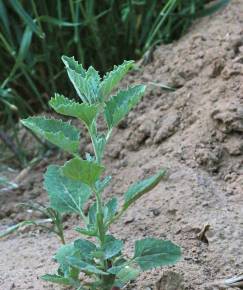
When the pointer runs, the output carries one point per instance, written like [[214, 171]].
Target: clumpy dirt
[[196, 133]]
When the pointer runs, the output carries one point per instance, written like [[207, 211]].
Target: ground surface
[[196, 133]]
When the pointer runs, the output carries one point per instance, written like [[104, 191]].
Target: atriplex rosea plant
[[69, 187]]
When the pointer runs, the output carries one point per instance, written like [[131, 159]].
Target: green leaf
[[65, 195], [102, 184], [113, 77], [110, 209], [138, 189], [112, 248], [86, 83], [92, 213], [57, 279], [126, 275], [67, 107], [64, 252], [60, 133], [151, 253], [120, 105], [90, 232], [85, 267], [85, 248], [82, 170]]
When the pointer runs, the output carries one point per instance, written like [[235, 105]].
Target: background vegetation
[[35, 33]]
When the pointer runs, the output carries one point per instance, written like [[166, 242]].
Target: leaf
[[102, 184], [120, 105], [56, 279], [112, 248], [67, 107], [85, 248], [64, 252], [14, 228], [86, 83], [126, 275], [60, 133], [113, 77], [141, 187], [110, 209], [151, 253], [82, 170], [65, 195], [85, 267], [90, 232]]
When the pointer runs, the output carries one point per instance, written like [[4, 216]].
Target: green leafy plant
[[99, 257]]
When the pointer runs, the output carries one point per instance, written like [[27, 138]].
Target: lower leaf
[[60, 280], [151, 253]]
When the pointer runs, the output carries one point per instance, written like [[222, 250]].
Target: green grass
[[35, 33]]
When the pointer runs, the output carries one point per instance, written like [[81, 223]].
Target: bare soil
[[196, 133]]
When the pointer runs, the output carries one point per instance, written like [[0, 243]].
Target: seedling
[[98, 257]]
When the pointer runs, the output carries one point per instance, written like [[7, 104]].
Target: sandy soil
[[196, 133]]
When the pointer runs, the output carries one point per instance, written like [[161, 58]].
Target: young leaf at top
[[151, 253], [60, 133], [65, 195], [141, 187], [82, 170], [119, 105], [112, 78], [86, 83], [67, 107]]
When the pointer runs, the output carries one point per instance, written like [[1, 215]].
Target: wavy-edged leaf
[[67, 107], [151, 253], [66, 195], [112, 78], [61, 134], [86, 83], [139, 188], [119, 106], [85, 171]]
